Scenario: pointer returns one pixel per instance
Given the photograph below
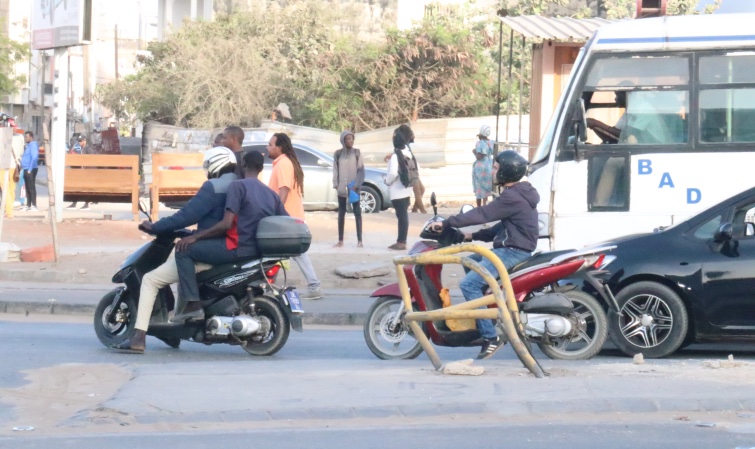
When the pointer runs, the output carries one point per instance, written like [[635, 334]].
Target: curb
[[55, 308], [504, 409]]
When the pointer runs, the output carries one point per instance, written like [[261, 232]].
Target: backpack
[[408, 172]]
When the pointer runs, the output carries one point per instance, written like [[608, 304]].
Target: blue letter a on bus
[[694, 196], [666, 181]]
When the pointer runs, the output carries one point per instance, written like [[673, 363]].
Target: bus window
[[655, 118], [727, 113], [608, 183]]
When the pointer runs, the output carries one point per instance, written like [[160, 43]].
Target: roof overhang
[[556, 29]]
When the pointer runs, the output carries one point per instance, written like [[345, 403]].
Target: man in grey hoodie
[[514, 237], [348, 176]]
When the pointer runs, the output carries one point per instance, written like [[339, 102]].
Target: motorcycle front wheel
[[116, 330], [592, 330], [385, 342]]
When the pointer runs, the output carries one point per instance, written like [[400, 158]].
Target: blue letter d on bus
[[693, 196]]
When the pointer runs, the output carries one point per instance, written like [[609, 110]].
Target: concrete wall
[[443, 147]]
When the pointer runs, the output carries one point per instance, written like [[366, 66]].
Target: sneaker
[[313, 293], [71, 206], [85, 207], [24, 209], [33, 209], [489, 347]]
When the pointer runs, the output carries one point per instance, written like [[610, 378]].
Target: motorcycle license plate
[[294, 301]]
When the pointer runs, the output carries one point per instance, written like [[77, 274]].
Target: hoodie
[[516, 208], [347, 167]]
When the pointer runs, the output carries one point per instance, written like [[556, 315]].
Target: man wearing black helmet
[[514, 237]]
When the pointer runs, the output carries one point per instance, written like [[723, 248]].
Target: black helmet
[[511, 167]]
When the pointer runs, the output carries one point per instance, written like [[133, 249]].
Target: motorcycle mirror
[[434, 203], [143, 209], [466, 208]]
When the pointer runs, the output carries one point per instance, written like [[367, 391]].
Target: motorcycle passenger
[[205, 209], [231, 240], [514, 237]]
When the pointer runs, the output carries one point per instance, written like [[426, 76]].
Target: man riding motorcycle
[[205, 210], [514, 237]]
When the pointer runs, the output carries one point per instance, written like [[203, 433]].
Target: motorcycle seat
[[538, 259], [556, 303]]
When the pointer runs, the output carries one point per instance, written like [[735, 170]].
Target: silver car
[[319, 193]]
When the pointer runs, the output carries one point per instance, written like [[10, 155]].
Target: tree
[[11, 53]]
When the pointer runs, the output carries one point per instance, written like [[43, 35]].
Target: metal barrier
[[510, 321]]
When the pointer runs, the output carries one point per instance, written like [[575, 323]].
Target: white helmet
[[215, 159], [484, 131]]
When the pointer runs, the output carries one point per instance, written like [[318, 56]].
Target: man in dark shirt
[[231, 240], [233, 137]]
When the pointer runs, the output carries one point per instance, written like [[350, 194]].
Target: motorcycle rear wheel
[[591, 338], [273, 341], [385, 343], [114, 333]]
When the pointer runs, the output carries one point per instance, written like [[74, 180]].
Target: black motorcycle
[[243, 302]]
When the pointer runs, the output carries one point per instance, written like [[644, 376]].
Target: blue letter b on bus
[[644, 167]]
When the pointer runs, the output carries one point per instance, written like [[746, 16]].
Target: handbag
[[353, 196], [16, 173]]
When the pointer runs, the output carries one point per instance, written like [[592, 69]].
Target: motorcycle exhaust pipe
[[243, 326]]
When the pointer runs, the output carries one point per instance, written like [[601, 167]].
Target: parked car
[[692, 282], [319, 193]]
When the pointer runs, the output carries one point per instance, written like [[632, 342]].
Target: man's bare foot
[[359, 245], [338, 245]]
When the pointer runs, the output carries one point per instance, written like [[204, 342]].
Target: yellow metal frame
[[510, 321]]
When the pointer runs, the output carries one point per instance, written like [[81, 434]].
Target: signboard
[[61, 23]]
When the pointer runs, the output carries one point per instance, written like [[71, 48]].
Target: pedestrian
[[348, 176], [29, 161], [402, 169], [218, 142], [482, 169], [14, 173], [287, 180], [233, 138], [417, 187], [80, 148]]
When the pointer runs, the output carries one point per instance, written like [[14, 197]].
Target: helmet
[[484, 131], [215, 159], [511, 167]]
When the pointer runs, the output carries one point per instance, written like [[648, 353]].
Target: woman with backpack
[[402, 168]]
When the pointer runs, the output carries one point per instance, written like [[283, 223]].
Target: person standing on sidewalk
[[205, 210], [399, 181], [348, 176], [482, 169], [29, 164], [80, 148], [287, 180], [17, 149]]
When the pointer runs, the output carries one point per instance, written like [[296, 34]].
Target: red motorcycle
[[565, 322]]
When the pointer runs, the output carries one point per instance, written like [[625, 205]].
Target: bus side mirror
[[580, 122]]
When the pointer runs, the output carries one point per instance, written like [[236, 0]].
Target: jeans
[[402, 213], [31, 187], [305, 265], [152, 282], [211, 251], [342, 217], [473, 286]]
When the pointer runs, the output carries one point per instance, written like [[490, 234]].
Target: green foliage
[[11, 53]]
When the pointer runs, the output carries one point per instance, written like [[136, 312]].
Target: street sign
[[61, 23]]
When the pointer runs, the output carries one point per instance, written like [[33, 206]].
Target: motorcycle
[[566, 323], [243, 302]]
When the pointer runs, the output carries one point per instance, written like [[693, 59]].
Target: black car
[[692, 282]]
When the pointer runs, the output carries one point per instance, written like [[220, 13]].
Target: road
[[325, 389]]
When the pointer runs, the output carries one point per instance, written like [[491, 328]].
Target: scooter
[[566, 323], [243, 302]]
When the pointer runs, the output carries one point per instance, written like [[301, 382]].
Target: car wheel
[[653, 320], [370, 200]]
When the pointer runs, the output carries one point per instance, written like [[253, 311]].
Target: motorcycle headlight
[[606, 261]]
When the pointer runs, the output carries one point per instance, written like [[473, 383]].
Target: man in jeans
[[29, 162], [233, 239], [287, 180], [514, 237]]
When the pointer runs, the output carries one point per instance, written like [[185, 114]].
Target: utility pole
[[116, 51]]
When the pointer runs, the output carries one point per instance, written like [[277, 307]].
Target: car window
[[305, 157], [750, 222], [708, 229], [743, 224]]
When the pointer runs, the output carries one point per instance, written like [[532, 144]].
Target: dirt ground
[[91, 250]]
